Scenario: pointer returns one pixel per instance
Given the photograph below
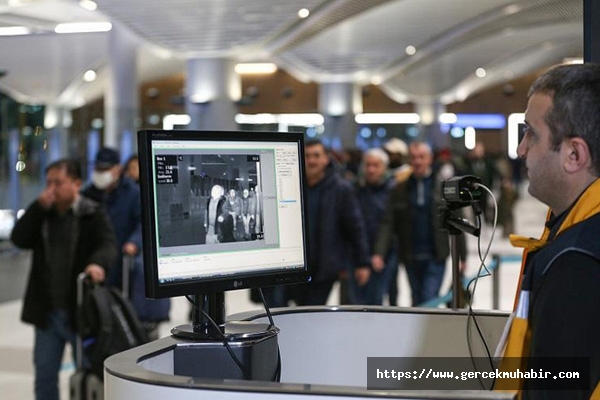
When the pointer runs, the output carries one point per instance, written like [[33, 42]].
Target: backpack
[[108, 325]]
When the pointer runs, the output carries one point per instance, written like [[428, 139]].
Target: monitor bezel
[[155, 289]]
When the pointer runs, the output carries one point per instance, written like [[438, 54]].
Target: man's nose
[[522, 149]]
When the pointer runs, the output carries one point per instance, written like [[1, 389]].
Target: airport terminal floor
[[16, 338]]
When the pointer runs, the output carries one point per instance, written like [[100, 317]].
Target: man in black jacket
[[337, 233], [337, 236], [68, 234], [411, 218]]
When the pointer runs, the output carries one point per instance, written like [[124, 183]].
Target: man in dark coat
[[68, 234], [411, 218], [337, 233], [372, 193]]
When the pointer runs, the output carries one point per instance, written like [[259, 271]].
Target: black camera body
[[462, 190], [459, 192]]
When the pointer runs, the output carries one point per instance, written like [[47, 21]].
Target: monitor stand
[[252, 346], [213, 306]]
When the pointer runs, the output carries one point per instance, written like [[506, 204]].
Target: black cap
[[106, 158]]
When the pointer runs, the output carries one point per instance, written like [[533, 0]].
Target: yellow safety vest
[[519, 334]]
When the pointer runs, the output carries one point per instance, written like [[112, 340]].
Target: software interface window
[[220, 204]]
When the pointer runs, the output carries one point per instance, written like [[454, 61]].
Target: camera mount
[[459, 192]]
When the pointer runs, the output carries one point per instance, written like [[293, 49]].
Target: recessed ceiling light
[[303, 13], [410, 50], [512, 9], [88, 5], [89, 75]]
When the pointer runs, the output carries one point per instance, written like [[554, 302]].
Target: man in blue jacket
[[121, 196]]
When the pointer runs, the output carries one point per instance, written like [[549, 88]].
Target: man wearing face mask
[[121, 197]]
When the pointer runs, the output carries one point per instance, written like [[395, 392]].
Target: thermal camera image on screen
[[221, 210], [209, 199]]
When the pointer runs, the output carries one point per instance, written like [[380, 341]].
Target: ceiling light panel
[[209, 27], [441, 74], [353, 45]]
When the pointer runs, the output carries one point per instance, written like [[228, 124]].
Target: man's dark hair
[[314, 142], [70, 166], [575, 111], [133, 157]]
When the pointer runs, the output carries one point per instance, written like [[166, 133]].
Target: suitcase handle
[[82, 278], [128, 262]]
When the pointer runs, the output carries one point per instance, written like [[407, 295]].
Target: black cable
[[224, 338], [267, 309], [227, 346], [481, 259], [277, 376], [470, 314]]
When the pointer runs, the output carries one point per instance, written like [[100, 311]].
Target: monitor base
[[234, 331]]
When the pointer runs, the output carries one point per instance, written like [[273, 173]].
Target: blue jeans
[[48, 353], [378, 285], [392, 286], [425, 279]]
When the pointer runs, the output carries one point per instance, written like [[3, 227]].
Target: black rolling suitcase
[[106, 324], [83, 384]]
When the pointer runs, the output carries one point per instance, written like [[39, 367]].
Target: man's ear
[[577, 155]]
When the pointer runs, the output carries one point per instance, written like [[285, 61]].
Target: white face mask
[[102, 180]]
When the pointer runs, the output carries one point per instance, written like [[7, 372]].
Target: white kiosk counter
[[324, 354]]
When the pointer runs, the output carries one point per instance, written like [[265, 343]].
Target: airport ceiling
[[358, 41]]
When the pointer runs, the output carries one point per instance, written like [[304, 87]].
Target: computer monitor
[[221, 210]]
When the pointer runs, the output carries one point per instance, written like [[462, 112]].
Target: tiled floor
[[16, 338]]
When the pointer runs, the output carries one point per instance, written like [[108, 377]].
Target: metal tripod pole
[[456, 283]]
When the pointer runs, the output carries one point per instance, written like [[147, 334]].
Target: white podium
[[324, 353]]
